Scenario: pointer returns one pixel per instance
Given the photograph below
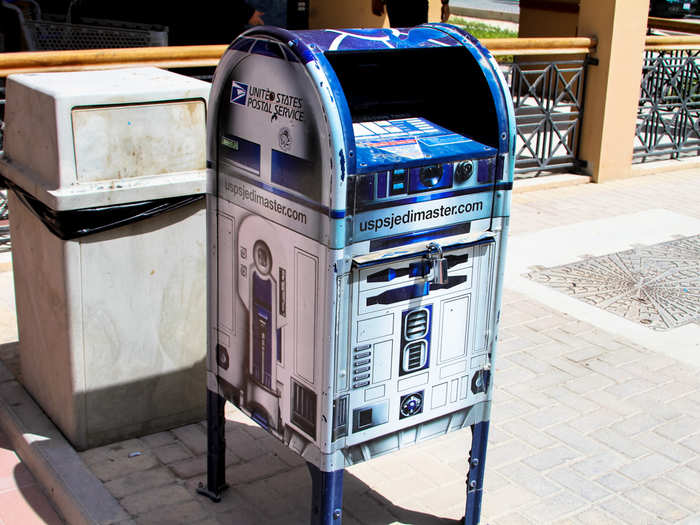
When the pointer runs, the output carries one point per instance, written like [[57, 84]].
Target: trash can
[[107, 175], [361, 213]]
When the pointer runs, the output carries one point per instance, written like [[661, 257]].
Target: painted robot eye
[[262, 257]]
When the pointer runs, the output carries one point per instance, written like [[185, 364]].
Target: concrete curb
[[485, 14], [548, 182], [75, 491], [665, 166]]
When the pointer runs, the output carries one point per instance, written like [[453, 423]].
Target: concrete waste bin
[[359, 225], [107, 175]]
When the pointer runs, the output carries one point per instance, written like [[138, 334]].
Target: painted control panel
[[411, 142]]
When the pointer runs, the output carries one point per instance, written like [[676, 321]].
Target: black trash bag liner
[[72, 224]]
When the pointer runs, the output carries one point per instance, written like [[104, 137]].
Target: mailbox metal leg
[[475, 477], [216, 448], [326, 496]]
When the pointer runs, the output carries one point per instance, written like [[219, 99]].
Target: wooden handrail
[[665, 43], [540, 46], [85, 59], [683, 26], [200, 56]]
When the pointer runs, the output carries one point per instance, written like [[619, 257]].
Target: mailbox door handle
[[418, 251]]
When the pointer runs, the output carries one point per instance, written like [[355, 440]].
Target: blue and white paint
[[358, 260]]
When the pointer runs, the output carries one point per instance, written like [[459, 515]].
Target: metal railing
[[550, 113], [674, 24], [668, 117], [91, 59], [548, 95], [548, 101], [204, 56]]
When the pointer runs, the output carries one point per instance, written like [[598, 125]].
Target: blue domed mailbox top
[[356, 77]]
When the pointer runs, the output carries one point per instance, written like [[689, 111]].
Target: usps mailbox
[[356, 241]]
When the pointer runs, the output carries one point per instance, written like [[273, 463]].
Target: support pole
[[216, 448], [475, 477], [326, 496]]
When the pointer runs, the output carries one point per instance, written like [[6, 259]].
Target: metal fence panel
[[668, 118], [548, 99]]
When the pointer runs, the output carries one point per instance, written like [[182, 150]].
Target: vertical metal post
[[475, 477], [580, 165], [216, 448], [326, 496]]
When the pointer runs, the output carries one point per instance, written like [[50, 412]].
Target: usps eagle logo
[[239, 93]]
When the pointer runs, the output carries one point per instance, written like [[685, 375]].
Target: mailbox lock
[[438, 263]]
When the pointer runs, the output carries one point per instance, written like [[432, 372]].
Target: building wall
[[548, 18]]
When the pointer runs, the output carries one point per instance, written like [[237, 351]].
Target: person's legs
[[407, 13]]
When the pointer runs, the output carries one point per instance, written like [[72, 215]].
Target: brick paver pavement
[[587, 426], [585, 429], [677, 191]]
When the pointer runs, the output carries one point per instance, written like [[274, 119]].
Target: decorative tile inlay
[[657, 286]]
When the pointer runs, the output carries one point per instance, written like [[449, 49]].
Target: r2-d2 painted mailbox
[[357, 240]]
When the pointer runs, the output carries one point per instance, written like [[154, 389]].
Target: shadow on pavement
[[285, 495], [268, 483], [22, 499]]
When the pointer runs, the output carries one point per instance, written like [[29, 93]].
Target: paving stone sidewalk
[[676, 191], [586, 428]]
